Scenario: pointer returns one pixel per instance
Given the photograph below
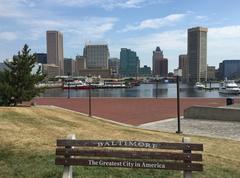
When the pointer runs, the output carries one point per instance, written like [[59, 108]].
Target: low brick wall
[[212, 113]]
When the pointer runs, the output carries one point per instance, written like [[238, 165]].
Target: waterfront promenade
[[134, 111], [209, 128]]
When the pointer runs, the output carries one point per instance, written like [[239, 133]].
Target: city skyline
[[121, 24]]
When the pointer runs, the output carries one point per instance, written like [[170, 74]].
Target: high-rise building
[[96, 56], [183, 64], [55, 49], [80, 64], [157, 56], [145, 71], [163, 63], [41, 57], [220, 72], [229, 69], [129, 63], [159, 63], [51, 70], [69, 66], [211, 73], [114, 65], [197, 54]]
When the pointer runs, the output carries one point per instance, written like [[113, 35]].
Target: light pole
[[156, 87], [89, 81], [68, 85], [178, 73]]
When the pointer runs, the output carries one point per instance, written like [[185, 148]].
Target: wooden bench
[[132, 154]]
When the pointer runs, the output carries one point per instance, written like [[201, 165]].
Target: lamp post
[[68, 85], [156, 87], [178, 73], [89, 81]]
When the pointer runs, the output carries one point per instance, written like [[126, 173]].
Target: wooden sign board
[[130, 164], [130, 144]]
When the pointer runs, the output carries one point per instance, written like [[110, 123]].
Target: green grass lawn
[[28, 138]]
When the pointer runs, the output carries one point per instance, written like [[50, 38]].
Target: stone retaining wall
[[212, 113]]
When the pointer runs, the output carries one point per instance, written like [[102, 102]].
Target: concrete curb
[[159, 122]]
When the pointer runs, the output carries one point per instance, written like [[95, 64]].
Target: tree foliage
[[17, 81]]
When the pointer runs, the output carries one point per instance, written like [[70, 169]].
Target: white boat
[[199, 85], [229, 87], [76, 84], [114, 84]]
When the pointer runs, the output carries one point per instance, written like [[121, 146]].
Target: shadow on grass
[[24, 163]]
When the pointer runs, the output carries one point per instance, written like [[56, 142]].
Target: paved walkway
[[217, 129], [134, 111]]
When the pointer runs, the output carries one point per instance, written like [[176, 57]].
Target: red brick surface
[[133, 111]]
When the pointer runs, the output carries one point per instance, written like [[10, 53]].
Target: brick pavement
[[134, 111]]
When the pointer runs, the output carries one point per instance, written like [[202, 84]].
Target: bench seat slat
[[130, 154], [130, 144], [129, 164]]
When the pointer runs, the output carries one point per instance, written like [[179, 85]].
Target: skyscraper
[[159, 63], [55, 49], [197, 54], [211, 73], [145, 71], [69, 66], [183, 64], [41, 57], [96, 56], [80, 64], [163, 63], [129, 63], [113, 65], [229, 69]]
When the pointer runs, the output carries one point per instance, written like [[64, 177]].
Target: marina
[[153, 90]]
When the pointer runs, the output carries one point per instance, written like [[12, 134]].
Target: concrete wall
[[212, 113]]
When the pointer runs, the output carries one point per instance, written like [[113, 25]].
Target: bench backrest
[[129, 154]]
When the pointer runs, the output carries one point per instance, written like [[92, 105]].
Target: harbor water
[[166, 90]]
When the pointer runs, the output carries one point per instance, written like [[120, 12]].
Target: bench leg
[[68, 170], [187, 174]]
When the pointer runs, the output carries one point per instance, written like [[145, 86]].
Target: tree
[[6, 91], [17, 82]]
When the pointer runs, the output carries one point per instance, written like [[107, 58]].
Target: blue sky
[[140, 25]]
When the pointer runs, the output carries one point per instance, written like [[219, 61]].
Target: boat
[[229, 87], [113, 84], [199, 85], [76, 84]]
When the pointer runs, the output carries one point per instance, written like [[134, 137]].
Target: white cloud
[[11, 8], [31, 24], [201, 17], [8, 36], [109, 4], [225, 32], [155, 23], [92, 27], [169, 40], [223, 43]]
